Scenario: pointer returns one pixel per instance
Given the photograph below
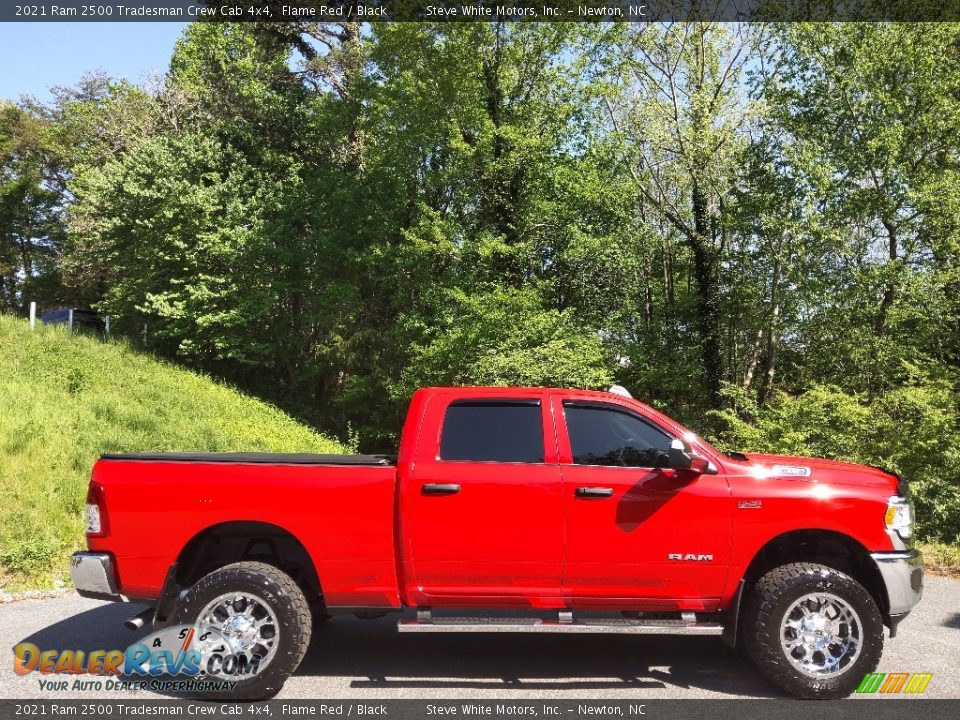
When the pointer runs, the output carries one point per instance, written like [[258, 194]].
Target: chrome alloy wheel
[[821, 635], [248, 626]]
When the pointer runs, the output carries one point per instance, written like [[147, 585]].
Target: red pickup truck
[[587, 511]]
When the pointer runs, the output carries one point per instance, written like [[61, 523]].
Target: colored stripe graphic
[[871, 682], [187, 639], [918, 682], [890, 683], [894, 682]]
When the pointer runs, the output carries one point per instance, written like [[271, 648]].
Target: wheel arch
[[238, 540], [827, 547]]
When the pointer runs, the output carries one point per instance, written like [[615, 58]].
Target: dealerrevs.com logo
[[181, 658], [894, 683]]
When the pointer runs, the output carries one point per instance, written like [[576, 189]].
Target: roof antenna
[[620, 390]]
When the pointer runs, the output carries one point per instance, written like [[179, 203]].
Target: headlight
[[899, 516]]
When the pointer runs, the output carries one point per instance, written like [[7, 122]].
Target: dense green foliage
[[911, 430], [754, 228], [65, 399]]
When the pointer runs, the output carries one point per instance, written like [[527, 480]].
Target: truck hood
[[820, 470]]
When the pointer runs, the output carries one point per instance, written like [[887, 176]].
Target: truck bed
[[256, 458], [341, 503]]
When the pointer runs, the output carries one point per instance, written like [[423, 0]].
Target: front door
[[652, 537], [485, 504]]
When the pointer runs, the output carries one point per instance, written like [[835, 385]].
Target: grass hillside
[[66, 398]]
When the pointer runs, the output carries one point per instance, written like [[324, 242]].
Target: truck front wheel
[[253, 629], [814, 631]]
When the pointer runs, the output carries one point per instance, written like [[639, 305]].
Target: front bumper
[[902, 574], [94, 576]]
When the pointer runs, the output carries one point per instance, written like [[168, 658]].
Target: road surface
[[367, 659]]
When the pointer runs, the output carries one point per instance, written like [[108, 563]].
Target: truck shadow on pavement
[[372, 649], [371, 655], [98, 629]]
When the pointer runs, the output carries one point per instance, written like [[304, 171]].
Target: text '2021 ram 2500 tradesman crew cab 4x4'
[[590, 511]]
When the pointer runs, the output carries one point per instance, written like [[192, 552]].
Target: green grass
[[66, 398], [941, 559]]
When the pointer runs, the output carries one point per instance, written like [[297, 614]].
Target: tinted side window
[[602, 435], [492, 432]]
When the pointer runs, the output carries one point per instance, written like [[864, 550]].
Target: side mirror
[[681, 457], [701, 466]]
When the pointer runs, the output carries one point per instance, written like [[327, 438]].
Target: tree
[[183, 247], [871, 118], [470, 123], [506, 337], [31, 212], [675, 104]]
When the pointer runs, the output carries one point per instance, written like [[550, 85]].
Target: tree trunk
[[648, 290], [708, 297], [667, 266], [766, 387], [753, 359], [25, 256], [6, 296], [890, 293], [353, 60], [504, 186]]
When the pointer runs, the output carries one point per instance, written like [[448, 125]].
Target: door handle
[[440, 489], [593, 493]]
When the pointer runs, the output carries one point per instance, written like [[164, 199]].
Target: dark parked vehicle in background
[[81, 318]]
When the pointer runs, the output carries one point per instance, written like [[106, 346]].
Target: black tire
[[772, 598], [285, 599]]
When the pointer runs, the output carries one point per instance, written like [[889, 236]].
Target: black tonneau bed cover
[[256, 458]]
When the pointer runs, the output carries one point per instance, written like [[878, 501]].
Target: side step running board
[[426, 623]]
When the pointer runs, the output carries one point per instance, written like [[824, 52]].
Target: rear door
[[484, 505], [652, 537]]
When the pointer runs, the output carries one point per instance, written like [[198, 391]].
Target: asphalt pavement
[[368, 659]]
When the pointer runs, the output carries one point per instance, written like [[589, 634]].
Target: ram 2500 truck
[[588, 511]]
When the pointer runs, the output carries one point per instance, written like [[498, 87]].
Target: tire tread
[[763, 619], [297, 627]]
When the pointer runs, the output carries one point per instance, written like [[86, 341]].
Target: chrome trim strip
[[539, 626], [895, 556]]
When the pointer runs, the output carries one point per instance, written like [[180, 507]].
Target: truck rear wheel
[[265, 620], [814, 631]]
